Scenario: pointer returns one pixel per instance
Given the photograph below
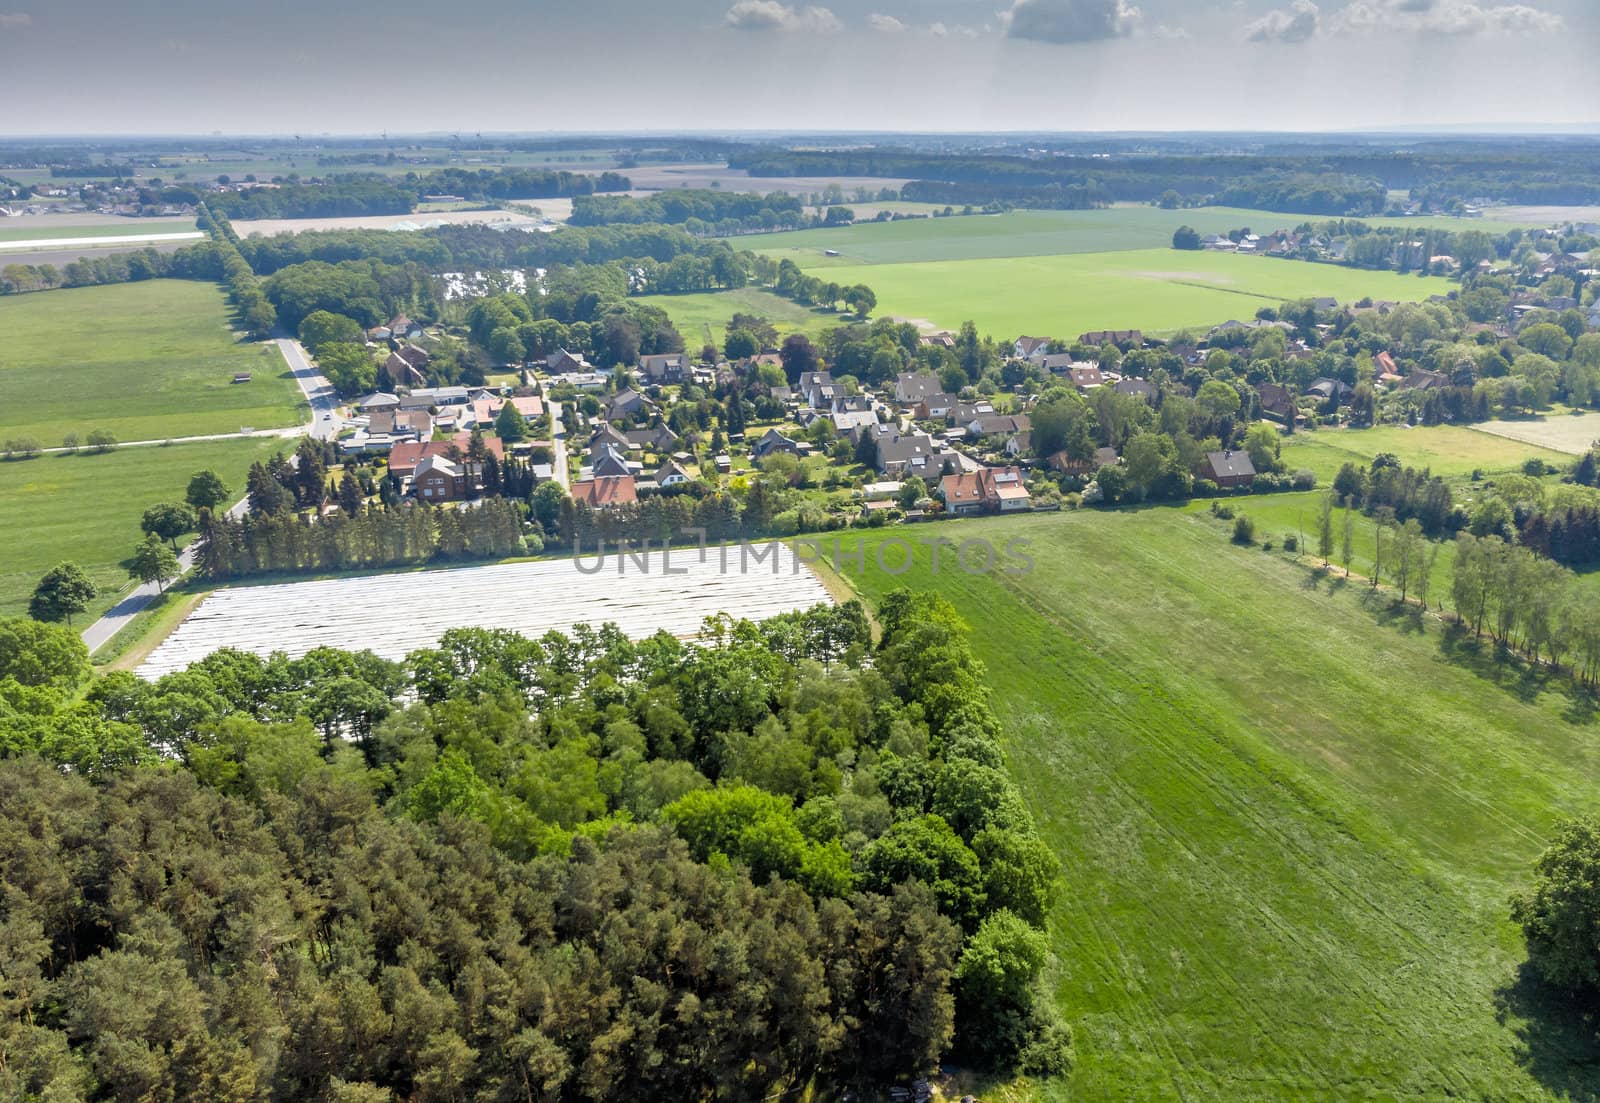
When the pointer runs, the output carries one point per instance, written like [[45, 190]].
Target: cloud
[[1070, 21], [11, 20], [1460, 18], [888, 24], [771, 15], [1298, 24]]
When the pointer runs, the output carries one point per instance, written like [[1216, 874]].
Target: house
[[580, 381], [672, 473], [608, 436], [1137, 388], [1067, 465], [379, 400], [402, 327], [627, 403], [963, 413], [816, 389], [606, 492], [911, 388], [609, 462], [781, 394], [723, 463], [1118, 337], [1423, 379], [1086, 376], [379, 333], [1019, 444], [1336, 389], [423, 398], [406, 457], [1030, 348], [401, 424], [901, 455], [1324, 305], [417, 357], [562, 362], [438, 479], [401, 373], [986, 490], [773, 442], [935, 407], [1228, 468], [1278, 401], [996, 425], [850, 404], [846, 423], [668, 367], [877, 492], [1061, 363], [658, 439]]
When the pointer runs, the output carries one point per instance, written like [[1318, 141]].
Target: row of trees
[[256, 313], [785, 859]]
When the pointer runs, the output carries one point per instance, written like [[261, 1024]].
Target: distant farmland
[[1157, 290]]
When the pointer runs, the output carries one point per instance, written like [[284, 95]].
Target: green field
[[44, 229], [1572, 432], [694, 314], [1026, 234], [146, 361], [87, 507], [1447, 450], [1288, 826], [1157, 290]]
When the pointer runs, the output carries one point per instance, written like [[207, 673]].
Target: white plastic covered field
[[393, 614]]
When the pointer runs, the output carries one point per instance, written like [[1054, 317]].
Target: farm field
[[45, 228], [1447, 450], [1022, 234], [421, 219], [1571, 432], [1288, 828], [704, 316], [87, 508], [528, 597], [155, 362], [1157, 290]]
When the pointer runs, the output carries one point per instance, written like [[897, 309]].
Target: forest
[[572, 868]]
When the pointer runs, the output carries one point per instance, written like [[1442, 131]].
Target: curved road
[[324, 425]]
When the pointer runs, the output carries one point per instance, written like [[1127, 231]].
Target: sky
[[533, 66]]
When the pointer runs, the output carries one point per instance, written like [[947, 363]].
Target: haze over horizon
[[407, 67]]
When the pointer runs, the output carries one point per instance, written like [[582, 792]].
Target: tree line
[[354, 194], [571, 868]]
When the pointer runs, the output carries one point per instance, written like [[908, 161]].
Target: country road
[[324, 425]]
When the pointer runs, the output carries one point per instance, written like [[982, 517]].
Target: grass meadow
[[86, 508], [704, 316], [1572, 432], [1157, 290], [1448, 450], [1022, 234], [146, 361], [1288, 825]]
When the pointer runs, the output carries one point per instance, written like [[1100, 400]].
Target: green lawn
[[704, 316], [87, 508], [1025, 234], [1157, 290], [1572, 432], [39, 229], [147, 361], [1288, 826], [1448, 450]]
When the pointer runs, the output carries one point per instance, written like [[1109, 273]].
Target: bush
[[1244, 530], [1205, 488], [1222, 511], [1291, 543], [1305, 480]]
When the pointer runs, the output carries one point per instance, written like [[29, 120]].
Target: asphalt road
[[324, 425]]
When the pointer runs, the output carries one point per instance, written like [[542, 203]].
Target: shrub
[[1305, 480], [1223, 512], [1291, 543], [1244, 530]]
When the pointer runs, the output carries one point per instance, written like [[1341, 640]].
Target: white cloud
[[10, 20], [1423, 17], [1070, 21], [1299, 24], [771, 15], [888, 24]]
